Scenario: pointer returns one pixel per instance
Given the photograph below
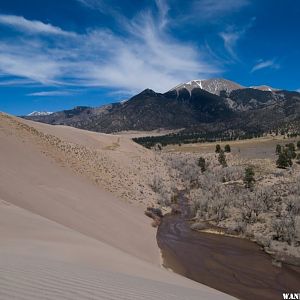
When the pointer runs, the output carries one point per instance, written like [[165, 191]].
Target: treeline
[[289, 129], [193, 137]]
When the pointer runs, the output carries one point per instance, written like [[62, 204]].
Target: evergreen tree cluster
[[222, 155], [286, 154], [227, 148]]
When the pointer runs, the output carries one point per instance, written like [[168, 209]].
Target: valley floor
[[267, 213]]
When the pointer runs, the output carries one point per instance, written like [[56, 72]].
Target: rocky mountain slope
[[214, 104]]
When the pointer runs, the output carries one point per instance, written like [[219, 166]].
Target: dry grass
[[257, 148]]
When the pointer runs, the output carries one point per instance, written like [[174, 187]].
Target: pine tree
[[227, 148], [291, 146], [290, 151], [249, 177], [202, 164], [218, 148], [283, 161], [222, 159]]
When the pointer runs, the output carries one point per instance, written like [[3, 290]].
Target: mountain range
[[213, 105]]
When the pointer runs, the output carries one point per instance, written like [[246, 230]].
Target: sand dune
[[114, 162], [64, 237]]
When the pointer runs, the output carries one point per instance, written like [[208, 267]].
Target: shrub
[[251, 208], [283, 161], [249, 177], [198, 226], [290, 153], [153, 211], [218, 148], [227, 148], [278, 149], [284, 228], [158, 147], [164, 199], [156, 184], [236, 228], [155, 214], [291, 146], [222, 159], [210, 203], [202, 164]]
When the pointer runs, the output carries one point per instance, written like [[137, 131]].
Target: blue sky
[[57, 54]]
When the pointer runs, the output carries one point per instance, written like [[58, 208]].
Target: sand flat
[[40, 259]]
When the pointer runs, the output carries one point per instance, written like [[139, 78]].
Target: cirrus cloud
[[51, 93], [263, 64], [144, 55], [211, 9], [33, 27]]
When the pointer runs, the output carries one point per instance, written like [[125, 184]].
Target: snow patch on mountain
[[39, 113], [265, 88]]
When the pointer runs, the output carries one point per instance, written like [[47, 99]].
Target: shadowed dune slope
[[63, 237]]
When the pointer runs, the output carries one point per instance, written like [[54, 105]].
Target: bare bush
[[157, 184], [210, 204], [284, 229], [155, 214], [236, 228], [165, 198], [199, 226]]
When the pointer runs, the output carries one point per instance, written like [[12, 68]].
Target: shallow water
[[235, 266]]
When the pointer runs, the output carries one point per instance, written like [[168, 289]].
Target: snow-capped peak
[[214, 86], [218, 85], [39, 113]]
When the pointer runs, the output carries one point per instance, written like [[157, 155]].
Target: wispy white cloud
[[93, 4], [232, 35], [34, 27], [263, 64], [120, 94], [230, 40], [216, 8], [15, 82], [51, 93], [163, 9], [30, 60], [103, 7], [145, 55]]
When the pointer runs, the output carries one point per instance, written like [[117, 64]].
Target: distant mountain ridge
[[210, 105]]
